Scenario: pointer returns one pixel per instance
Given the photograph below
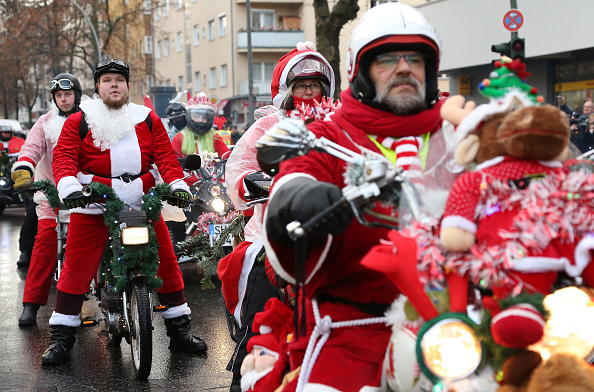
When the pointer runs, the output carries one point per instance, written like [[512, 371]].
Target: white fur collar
[[108, 126], [53, 127]]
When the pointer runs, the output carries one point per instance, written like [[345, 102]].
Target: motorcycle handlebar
[[297, 230]]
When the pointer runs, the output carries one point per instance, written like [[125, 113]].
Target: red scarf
[[297, 102], [354, 114]]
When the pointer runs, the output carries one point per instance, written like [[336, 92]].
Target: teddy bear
[[509, 225], [264, 367]]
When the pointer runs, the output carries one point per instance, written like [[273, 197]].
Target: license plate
[[214, 232]]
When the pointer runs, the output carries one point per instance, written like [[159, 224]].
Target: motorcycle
[[127, 273], [7, 194], [435, 350]]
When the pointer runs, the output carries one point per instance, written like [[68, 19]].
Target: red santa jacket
[[14, 145], [333, 266], [132, 153]]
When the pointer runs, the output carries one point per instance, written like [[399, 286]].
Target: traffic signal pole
[[515, 48]]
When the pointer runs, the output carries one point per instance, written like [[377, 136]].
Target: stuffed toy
[[516, 221], [263, 369]]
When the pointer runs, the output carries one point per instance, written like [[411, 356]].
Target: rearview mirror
[[192, 162]]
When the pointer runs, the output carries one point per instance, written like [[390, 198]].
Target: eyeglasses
[[62, 84], [302, 87], [391, 60], [108, 62]]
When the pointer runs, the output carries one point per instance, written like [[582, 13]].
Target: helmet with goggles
[[66, 81], [176, 115], [111, 66], [200, 114], [391, 27]]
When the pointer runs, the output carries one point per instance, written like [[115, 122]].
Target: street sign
[[513, 20], [464, 85]]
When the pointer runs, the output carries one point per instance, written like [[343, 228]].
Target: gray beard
[[404, 103]]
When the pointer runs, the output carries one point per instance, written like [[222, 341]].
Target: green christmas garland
[[50, 191], [144, 256], [207, 258]]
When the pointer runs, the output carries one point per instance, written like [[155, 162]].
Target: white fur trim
[[177, 311], [460, 222], [307, 45], [489, 163], [248, 262], [84, 178], [551, 163], [180, 185], [582, 256], [109, 126], [539, 264], [53, 128], [310, 387], [264, 329], [68, 320], [19, 165], [67, 185], [138, 113], [125, 158], [272, 256]]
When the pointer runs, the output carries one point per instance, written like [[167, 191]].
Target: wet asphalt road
[[94, 366]]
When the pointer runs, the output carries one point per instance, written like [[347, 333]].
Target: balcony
[[271, 1], [260, 88], [270, 41]]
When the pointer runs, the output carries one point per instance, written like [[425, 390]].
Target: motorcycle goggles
[[108, 62], [61, 84]]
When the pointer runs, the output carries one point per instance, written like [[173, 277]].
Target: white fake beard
[[107, 126], [250, 379], [53, 128]]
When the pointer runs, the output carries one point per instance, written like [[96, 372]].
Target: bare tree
[[328, 26]]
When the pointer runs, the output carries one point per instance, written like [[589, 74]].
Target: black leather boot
[[61, 344], [178, 330], [24, 259], [29, 316]]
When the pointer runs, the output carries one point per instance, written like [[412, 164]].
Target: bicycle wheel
[[141, 330]]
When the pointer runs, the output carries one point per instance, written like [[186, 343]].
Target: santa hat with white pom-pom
[[303, 61]]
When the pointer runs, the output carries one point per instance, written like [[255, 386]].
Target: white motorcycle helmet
[[391, 27]]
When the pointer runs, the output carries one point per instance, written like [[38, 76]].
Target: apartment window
[[196, 35], [180, 83], [262, 19], [165, 8], [188, 64], [263, 72], [204, 80], [159, 48], [166, 47], [197, 82], [177, 4], [157, 13], [211, 29], [222, 25], [212, 78], [179, 42], [223, 75], [148, 44]]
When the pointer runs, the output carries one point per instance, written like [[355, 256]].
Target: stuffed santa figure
[[263, 369]]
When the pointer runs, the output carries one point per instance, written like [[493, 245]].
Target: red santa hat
[[287, 62], [273, 325]]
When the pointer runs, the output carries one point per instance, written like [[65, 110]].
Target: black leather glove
[[301, 199], [75, 199], [180, 198]]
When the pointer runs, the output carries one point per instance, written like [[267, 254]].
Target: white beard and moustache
[[108, 126], [404, 103], [250, 379]]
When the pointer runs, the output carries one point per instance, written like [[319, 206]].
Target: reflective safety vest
[[226, 135]]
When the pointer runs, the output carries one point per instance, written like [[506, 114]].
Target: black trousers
[[29, 227]]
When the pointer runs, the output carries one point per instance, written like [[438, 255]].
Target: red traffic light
[[518, 45]]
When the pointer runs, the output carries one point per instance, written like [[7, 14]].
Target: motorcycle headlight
[[215, 190], [447, 348], [3, 182], [569, 329], [135, 235], [218, 205]]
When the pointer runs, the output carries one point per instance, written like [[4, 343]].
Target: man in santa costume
[[119, 150], [35, 160], [391, 108], [300, 77]]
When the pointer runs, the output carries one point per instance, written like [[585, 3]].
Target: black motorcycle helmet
[[176, 115], [111, 66], [66, 81], [200, 114], [6, 133]]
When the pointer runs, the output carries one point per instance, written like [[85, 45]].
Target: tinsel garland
[[559, 208], [207, 258], [50, 191], [144, 256]]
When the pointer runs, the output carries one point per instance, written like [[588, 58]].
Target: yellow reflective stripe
[[391, 154]]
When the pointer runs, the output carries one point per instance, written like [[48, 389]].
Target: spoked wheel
[[141, 330]]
